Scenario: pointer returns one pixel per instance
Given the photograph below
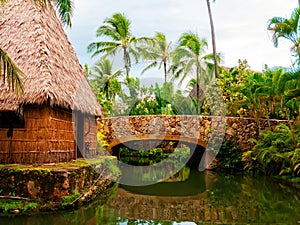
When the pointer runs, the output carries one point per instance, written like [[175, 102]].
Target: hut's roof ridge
[[34, 38]]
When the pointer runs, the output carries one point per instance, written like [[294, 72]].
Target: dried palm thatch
[[34, 39]]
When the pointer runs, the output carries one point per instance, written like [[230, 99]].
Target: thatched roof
[[34, 38]]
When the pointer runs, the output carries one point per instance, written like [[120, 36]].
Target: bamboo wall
[[48, 137], [90, 138]]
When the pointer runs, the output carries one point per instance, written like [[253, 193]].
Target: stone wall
[[192, 129], [53, 182]]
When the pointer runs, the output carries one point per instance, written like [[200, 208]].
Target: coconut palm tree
[[105, 80], [188, 57], [8, 70], [288, 29], [118, 29], [159, 53], [213, 38]]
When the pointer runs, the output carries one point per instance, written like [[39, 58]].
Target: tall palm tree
[[288, 29], [159, 53], [8, 70], [188, 57], [105, 79], [213, 38], [118, 29]]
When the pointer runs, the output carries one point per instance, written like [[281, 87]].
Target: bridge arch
[[185, 140]]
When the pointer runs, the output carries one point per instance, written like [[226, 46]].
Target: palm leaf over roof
[[33, 37]]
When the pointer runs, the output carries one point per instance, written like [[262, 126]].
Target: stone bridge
[[203, 131]]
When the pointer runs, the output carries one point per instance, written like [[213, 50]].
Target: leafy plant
[[276, 153], [229, 157]]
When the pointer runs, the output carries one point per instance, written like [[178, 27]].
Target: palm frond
[[10, 73], [65, 10], [150, 66]]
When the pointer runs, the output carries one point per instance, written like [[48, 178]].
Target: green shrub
[[276, 153], [229, 157]]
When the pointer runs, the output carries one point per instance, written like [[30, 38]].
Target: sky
[[240, 26]]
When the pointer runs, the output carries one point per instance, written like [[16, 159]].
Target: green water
[[203, 198]]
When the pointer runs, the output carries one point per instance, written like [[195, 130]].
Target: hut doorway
[[80, 135]]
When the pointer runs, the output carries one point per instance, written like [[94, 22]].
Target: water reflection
[[184, 183], [210, 198]]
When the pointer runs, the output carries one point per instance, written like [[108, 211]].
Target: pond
[[201, 198]]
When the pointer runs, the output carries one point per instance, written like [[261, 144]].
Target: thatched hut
[[54, 119]]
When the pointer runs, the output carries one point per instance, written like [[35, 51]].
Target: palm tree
[[118, 29], [10, 72], [105, 79], [213, 38], [188, 56], [159, 53], [286, 28]]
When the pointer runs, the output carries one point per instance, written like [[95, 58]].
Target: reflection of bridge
[[189, 129], [196, 207]]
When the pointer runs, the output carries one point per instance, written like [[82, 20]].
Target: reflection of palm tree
[[286, 28], [10, 72], [159, 53], [118, 29], [105, 79]]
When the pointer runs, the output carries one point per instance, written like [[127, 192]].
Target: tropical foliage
[[287, 28], [270, 94], [276, 153]]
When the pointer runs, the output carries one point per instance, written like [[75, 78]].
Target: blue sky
[[240, 26]]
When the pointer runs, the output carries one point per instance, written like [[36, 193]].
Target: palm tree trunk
[[165, 69], [126, 61], [198, 86], [213, 41]]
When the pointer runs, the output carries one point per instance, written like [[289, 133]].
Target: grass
[[71, 164], [17, 206]]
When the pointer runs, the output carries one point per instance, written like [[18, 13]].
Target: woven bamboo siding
[[90, 139], [48, 136]]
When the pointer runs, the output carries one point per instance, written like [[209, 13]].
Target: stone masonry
[[198, 130]]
